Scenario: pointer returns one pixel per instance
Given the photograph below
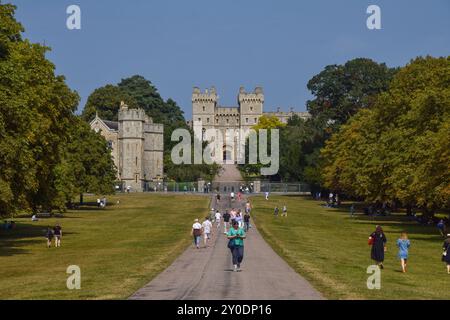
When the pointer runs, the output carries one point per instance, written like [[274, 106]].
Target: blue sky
[[179, 44]]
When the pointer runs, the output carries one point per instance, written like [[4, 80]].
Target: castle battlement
[[240, 118], [137, 146]]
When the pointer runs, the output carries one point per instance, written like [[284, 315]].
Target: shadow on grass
[[23, 235]]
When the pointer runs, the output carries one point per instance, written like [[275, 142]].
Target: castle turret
[[131, 141], [203, 106], [250, 106]]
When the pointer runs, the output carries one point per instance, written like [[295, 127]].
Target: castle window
[[228, 120], [199, 119], [256, 120], [110, 144], [136, 161], [251, 108], [246, 120], [203, 108], [207, 120]]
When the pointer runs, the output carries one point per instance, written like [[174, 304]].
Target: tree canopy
[[36, 119], [400, 148]]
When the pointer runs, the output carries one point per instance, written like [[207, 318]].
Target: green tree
[[341, 90], [398, 150], [105, 101], [86, 166], [36, 108]]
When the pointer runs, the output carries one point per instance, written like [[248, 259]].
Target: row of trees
[[376, 133], [47, 154], [399, 149]]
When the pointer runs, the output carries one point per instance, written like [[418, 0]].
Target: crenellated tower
[[250, 107]]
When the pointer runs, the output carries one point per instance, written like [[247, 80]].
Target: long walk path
[[207, 274]]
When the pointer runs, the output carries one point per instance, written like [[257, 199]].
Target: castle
[[137, 146], [207, 111]]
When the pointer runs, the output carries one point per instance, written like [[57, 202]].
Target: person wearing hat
[[446, 253], [236, 236], [197, 233]]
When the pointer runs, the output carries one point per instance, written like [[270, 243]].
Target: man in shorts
[[57, 232]]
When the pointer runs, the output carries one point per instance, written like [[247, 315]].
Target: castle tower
[[153, 150], [250, 107], [131, 146], [204, 106]]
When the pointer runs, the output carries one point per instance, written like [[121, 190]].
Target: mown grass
[[330, 249], [119, 249]]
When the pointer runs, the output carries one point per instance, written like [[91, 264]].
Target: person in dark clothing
[[246, 221], [378, 241], [226, 221], [446, 252], [49, 237], [276, 211]]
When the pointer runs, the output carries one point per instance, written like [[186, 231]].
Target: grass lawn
[[330, 249], [119, 249]]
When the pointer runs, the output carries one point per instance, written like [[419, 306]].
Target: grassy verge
[[330, 249], [119, 249]]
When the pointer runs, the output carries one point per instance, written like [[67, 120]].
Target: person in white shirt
[[207, 226], [267, 195], [232, 196], [218, 217], [197, 233]]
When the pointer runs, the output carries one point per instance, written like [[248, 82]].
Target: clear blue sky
[[279, 44]]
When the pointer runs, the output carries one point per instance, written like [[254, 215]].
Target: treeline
[[48, 156], [377, 134], [399, 149]]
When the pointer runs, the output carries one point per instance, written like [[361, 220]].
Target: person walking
[[218, 197], [226, 221], [238, 218], [446, 252], [49, 237], [196, 233], [217, 219], [284, 213], [246, 221], [57, 232], [248, 206], [441, 228], [232, 196], [266, 195], [378, 241], [403, 245], [276, 211], [236, 238], [207, 226], [352, 210]]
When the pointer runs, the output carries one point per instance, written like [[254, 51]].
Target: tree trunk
[[81, 199]]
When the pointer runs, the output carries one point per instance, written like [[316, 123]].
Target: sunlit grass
[[330, 249], [119, 249]]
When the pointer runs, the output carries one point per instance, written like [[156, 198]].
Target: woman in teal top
[[236, 236], [403, 245]]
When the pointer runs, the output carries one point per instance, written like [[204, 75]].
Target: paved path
[[228, 172], [206, 274]]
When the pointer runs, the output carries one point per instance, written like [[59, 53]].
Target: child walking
[[403, 245]]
